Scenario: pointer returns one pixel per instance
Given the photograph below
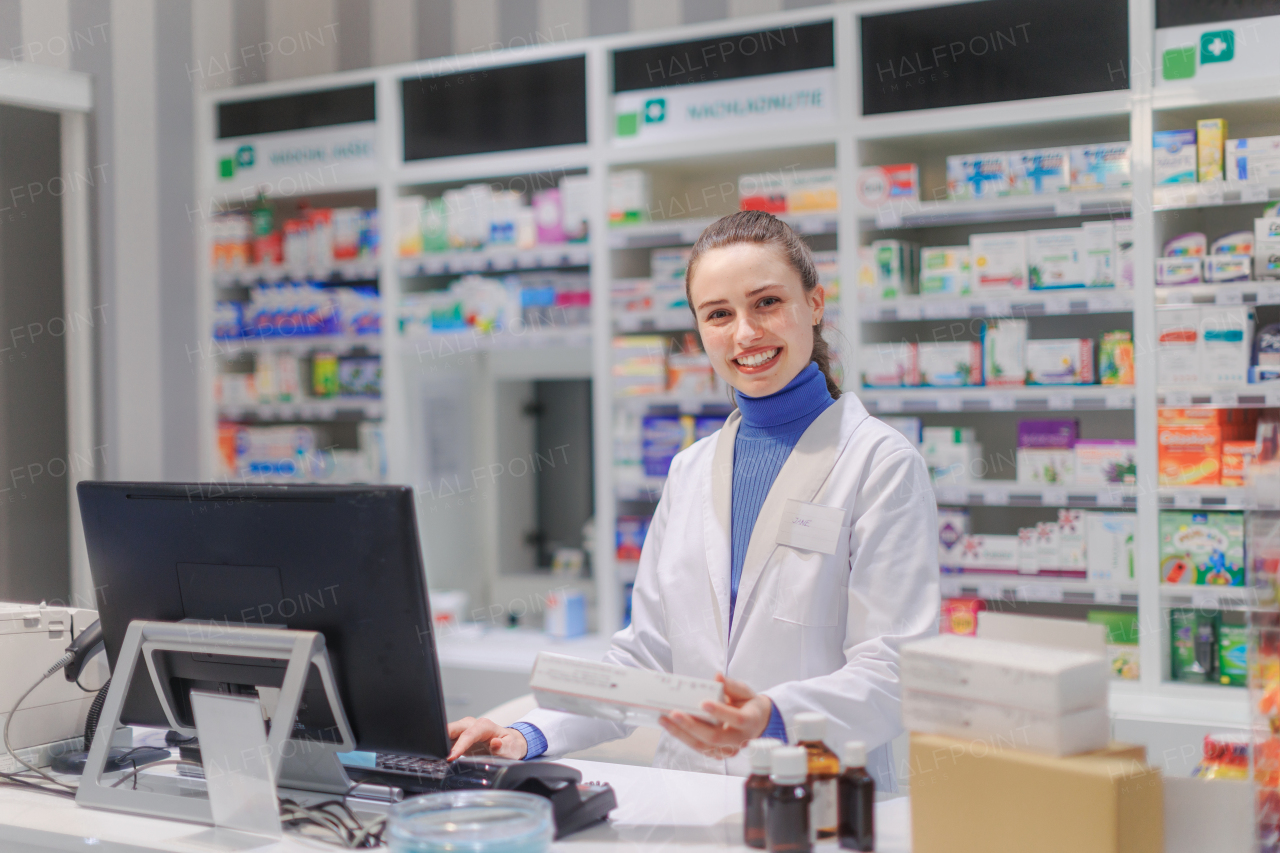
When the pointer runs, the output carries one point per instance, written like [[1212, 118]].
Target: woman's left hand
[[742, 716]]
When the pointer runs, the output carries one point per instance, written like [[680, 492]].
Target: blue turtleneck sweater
[[771, 426]]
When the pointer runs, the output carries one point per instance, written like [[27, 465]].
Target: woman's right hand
[[482, 736]]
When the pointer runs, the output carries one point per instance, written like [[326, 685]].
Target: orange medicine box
[[1236, 457], [1190, 454]]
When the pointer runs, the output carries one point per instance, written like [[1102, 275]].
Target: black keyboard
[[436, 768]]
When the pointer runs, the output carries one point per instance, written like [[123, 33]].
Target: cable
[[95, 712], [57, 665], [136, 770]]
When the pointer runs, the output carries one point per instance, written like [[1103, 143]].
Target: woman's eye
[[769, 300], [717, 315]]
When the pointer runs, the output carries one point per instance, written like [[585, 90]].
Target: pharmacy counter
[[657, 808]]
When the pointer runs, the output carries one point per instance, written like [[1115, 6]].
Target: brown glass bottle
[[787, 827], [824, 769], [757, 791], [856, 798]]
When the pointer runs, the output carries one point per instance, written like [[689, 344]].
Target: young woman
[[792, 552]]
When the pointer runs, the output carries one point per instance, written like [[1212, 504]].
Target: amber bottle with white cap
[[856, 796], [824, 769], [786, 818], [757, 790]]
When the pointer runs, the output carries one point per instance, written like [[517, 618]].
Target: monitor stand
[[282, 761]]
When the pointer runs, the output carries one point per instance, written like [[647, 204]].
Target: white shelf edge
[[926, 214], [978, 398], [1023, 304], [1257, 395]]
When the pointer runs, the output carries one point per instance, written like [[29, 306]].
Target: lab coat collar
[[801, 477]]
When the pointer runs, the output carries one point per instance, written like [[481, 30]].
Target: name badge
[[812, 527]]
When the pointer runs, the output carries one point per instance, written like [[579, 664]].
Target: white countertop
[[656, 808], [471, 646]]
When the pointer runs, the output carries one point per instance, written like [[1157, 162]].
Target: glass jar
[[471, 822]]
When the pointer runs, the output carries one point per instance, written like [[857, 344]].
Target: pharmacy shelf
[[560, 256], [1214, 597], [1022, 305], [339, 409], [684, 232], [296, 343], [1038, 398], [442, 344], [1033, 588], [1001, 493], [1234, 293], [926, 214], [1213, 194], [672, 320], [689, 403], [1259, 395], [639, 489], [356, 271], [1206, 497]]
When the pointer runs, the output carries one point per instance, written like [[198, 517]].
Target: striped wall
[[149, 57]]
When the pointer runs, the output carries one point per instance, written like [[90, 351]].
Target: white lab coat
[[813, 631]]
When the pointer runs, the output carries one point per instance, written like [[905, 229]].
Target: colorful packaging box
[[1115, 358], [888, 365], [1234, 243], [1211, 136], [1106, 462], [1099, 249], [662, 437], [1256, 159], [1043, 466], [895, 267], [1237, 456], [765, 191], [1057, 434], [1172, 271], [1189, 454], [1043, 170], [953, 464], [1055, 258], [879, 185], [1047, 553], [1178, 346], [1266, 247], [1109, 547], [1100, 167], [1233, 655], [629, 196], [953, 526], [1226, 344], [630, 535], [1193, 244], [1193, 645], [978, 176], [1175, 156], [812, 191], [1004, 350], [985, 552], [1122, 641], [1220, 268], [1072, 541], [999, 261], [949, 363], [1061, 361], [1202, 548], [960, 616], [1124, 252], [945, 271]]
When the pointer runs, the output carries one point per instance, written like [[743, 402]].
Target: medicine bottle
[[824, 768], [786, 816], [856, 797], [757, 790]]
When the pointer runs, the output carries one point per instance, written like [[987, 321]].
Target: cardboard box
[[1115, 358], [1042, 170], [1055, 258], [1106, 462], [1028, 552], [978, 176], [1004, 352], [948, 435], [895, 267], [1047, 540], [1124, 252], [888, 365], [1177, 346], [953, 526], [1211, 136], [1058, 434], [986, 552], [629, 196], [879, 185], [1109, 547], [1256, 159], [1044, 466], [1179, 270], [1226, 344], [1218, 268], [1099, 246], [1189, 454], [1100, 167], [1198, 548], [812, 191], [1051, 734], [949, 363], [999, 261], [945, 271], [1237, 456], [1266, 247], [1072, 540], [1063, 361], [1035, 678], [954, 463], [623, 694], [1175, 156], [765, 191], [970, 796]]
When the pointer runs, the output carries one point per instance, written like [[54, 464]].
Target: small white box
[[1099, 239], [812, 191], [1035, 678], [998, 261], [1100, 167], [1028, 552], [1266, 247], [1174, 156], [1178, 270], [989, 552], [978, 176], [629, 195], [894, 262], [1109, 546], [1060, 361], [953, 526], [1071, 540], [1004, 353], [1044, 466], [1004, 726], [1219, 268], [1256, 159], [1040, 171], [623, 694], [1124, 252], [1105, 462], [954, 464], [888, 365], [1055, 258], [945, 271], [1226, 344], [1047, 555], [949, 363], [1177, 346]]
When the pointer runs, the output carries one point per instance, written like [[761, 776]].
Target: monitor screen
[[340, 560], [496, 109], [296, 112]]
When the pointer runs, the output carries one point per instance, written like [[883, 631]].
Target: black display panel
[[496, 109], [995, 50], [797, 47], [1182, 13], [296, 112]]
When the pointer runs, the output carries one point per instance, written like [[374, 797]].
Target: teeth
[[757, 359]]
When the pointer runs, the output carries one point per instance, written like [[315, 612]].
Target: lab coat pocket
[[809, 587]]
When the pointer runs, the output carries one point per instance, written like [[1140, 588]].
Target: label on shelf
[[1177, 399], [1061, 401], [990, 591], [1231, 296], [949, 587], [948, 403], [1110, 497], [1068, 205], [995, 497], [1179, 296], [1107, 595], [1057, 305], [1209, 193], [1186, 500], [1050, 592], [1269, 294], [1273, 398], [1120, 401], [1226, 399], [1204, 599], [1254, 193], [1054, 497], [1003, 402], [887, 216], [888, 404]]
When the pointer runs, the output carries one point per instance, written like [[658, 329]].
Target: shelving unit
[[480, 373]]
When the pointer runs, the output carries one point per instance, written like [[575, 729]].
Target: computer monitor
[[340, 560]]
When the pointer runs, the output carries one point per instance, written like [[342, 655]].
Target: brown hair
[[765, 229]]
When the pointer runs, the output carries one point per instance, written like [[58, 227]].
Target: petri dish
[[471, 822]]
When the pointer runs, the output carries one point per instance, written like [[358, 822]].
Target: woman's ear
[[817, 301]]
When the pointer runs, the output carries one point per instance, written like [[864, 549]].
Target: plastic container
[[471, 822]]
